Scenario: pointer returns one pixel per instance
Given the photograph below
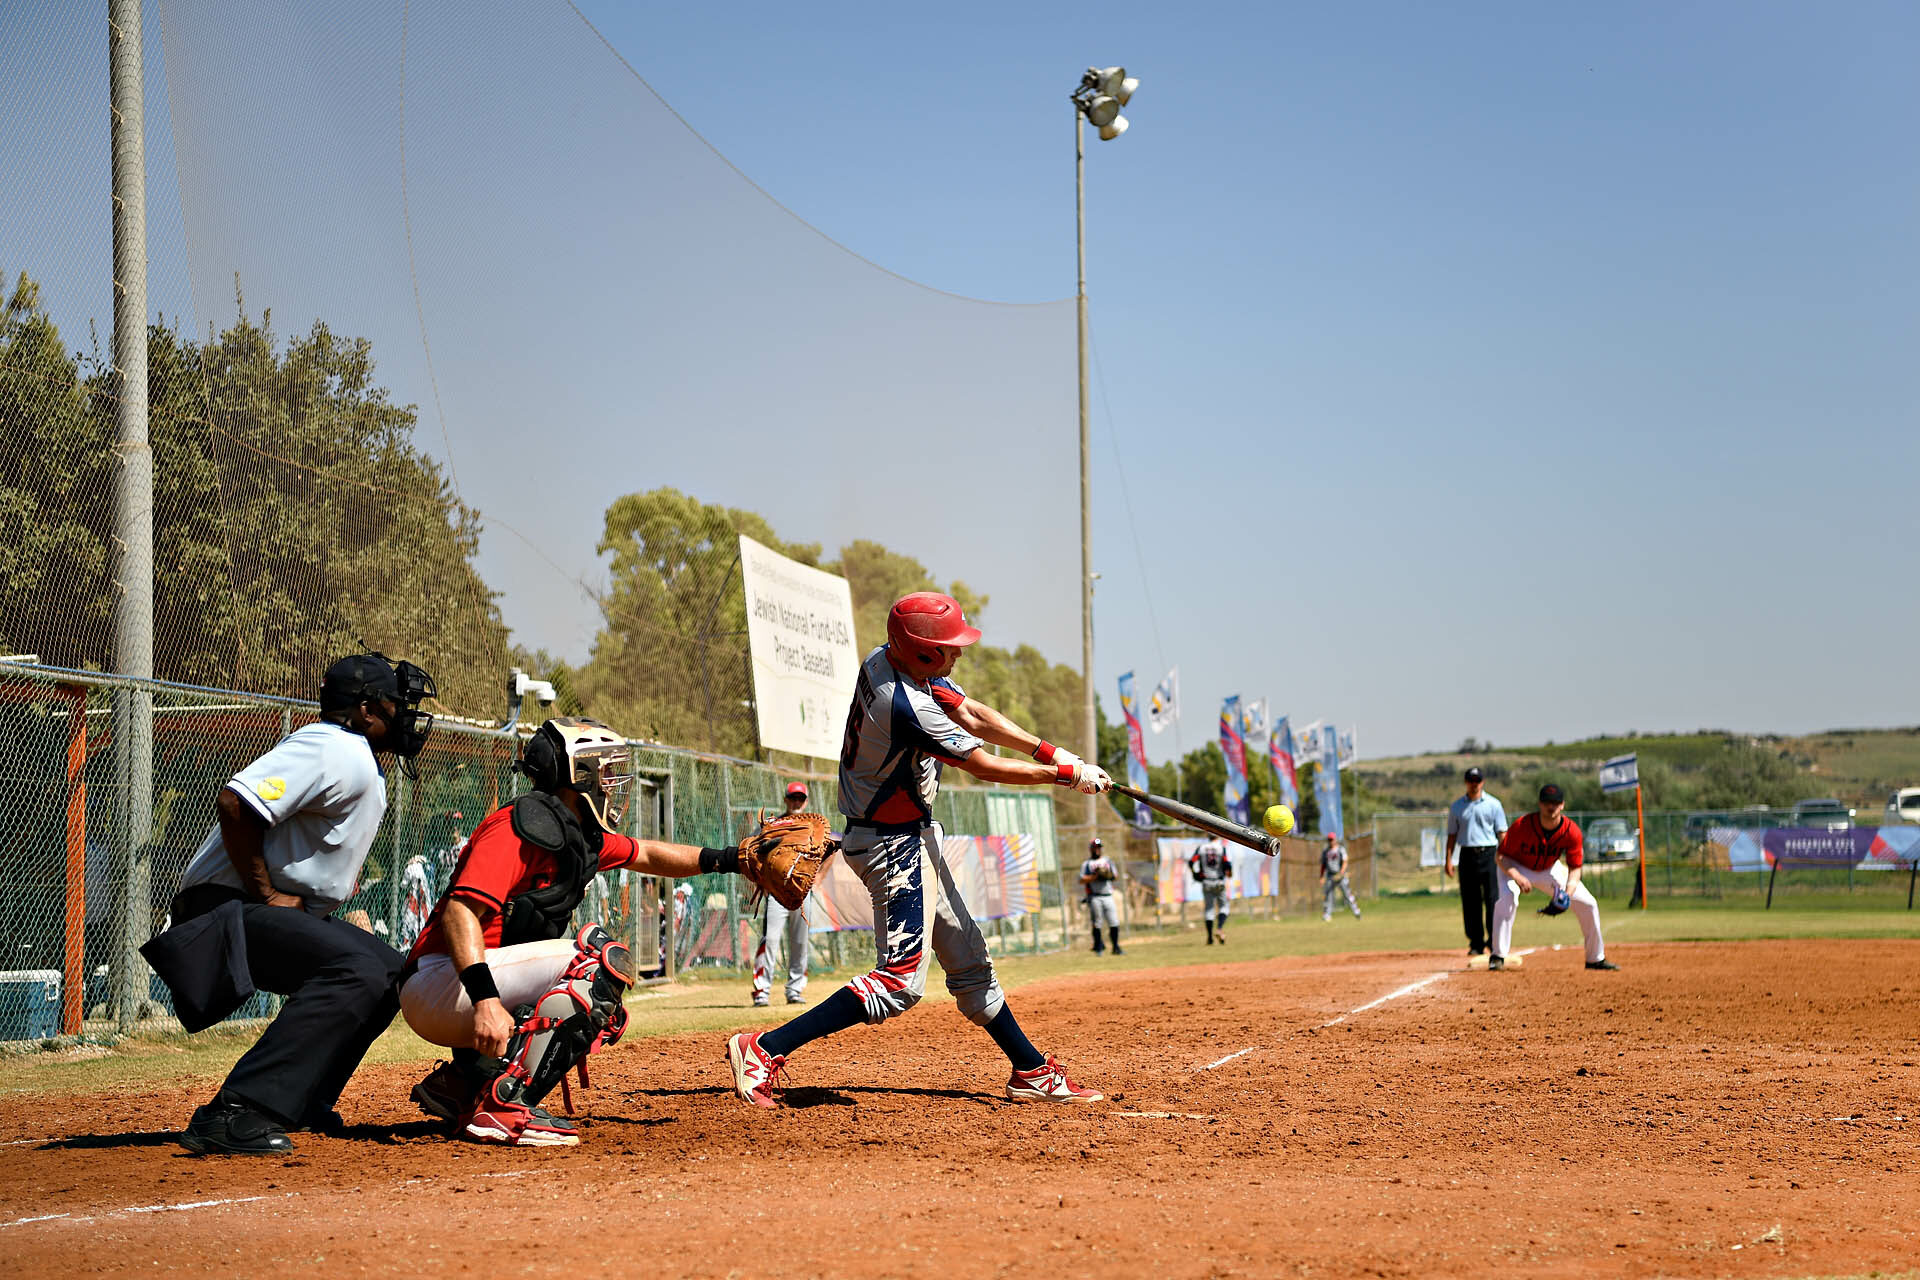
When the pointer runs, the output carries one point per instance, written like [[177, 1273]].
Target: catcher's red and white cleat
[[1048, 1083], [756, 1073], [513, 1125]]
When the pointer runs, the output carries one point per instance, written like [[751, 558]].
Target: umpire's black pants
[[1479, 890], [339, 981]]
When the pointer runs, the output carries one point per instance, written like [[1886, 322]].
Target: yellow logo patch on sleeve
[[270, 788]]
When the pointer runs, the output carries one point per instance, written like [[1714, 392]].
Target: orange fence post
[[1640, 818], [74, 978]]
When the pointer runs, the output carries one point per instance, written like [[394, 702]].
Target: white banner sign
[[800, 632], [1622, 773]]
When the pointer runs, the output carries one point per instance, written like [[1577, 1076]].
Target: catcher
[[500, 976]]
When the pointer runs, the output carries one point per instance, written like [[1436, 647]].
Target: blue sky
[[1504, 371]]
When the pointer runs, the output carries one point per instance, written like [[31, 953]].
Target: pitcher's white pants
[[1585, 909]]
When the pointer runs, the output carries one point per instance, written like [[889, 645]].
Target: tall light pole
[[1102, 92], [133, 496]]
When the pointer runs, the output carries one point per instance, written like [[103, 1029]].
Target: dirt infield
[[1711, 1109]]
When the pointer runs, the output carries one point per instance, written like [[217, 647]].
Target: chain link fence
[[86, 895], [1682, 862]]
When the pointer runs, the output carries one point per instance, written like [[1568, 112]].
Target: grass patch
[[716, 1003]]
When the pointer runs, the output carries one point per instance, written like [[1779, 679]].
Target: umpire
[[1475, 822], [256, 904]]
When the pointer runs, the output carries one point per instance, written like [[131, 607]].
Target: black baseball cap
[[1552, 794], [1474, 774], [363, 677]]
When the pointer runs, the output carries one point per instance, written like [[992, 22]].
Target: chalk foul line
[[1407, 990], [138, 1208]]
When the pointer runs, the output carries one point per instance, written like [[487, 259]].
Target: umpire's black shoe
[[329, 1123], [231, 1128], [1496, 963], [1602, 964]]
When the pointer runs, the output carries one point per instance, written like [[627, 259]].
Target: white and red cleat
[[1048, 1082], [514, 1125], [756, 1073]]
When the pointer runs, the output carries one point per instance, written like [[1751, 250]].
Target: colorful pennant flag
[[1234, 748]]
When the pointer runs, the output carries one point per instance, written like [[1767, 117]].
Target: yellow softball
[[1278, 820]]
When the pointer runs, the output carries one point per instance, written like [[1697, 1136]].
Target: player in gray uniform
[[293, 829], [908, 719], [1212, 866], [776, 920], [1333, 877], [1097, 875]]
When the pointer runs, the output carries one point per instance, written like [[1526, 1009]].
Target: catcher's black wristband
[[712, 860], [478, 980]]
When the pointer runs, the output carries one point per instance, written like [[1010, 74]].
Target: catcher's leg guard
[[582, 1012]]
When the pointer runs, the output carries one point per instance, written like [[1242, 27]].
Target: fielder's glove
[[1561, 901], [786, 855]]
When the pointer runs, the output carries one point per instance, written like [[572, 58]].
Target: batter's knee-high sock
[[1013, 1041], [837, 1012]]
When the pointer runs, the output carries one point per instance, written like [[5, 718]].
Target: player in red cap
[[776, 920], [908, 719]]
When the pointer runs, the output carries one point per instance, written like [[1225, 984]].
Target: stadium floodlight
[[1102, 92]]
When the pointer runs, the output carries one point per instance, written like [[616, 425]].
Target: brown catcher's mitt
[[786, 855]]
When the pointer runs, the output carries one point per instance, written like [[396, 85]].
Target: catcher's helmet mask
[[577, 754], [923, 623]]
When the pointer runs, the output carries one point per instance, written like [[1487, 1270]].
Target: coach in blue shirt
[[1475, 823]]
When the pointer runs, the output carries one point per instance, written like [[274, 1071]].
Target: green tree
[[293, 516], [670, 661]]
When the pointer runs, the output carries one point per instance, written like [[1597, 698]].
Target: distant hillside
[[1710, 769]]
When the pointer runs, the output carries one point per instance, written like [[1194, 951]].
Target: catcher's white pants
[[777, 921], [1585, 909], [918, 914], [436, 1005]]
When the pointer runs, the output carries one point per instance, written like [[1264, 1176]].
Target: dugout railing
[[86, 893]]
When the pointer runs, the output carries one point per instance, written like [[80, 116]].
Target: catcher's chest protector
[[546, 823]]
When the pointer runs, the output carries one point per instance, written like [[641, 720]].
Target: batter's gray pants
[[1214, 902]]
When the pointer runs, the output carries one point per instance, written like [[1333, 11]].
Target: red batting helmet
[[919, 622]]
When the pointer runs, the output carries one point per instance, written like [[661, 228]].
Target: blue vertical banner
[[1280, 755], [1234, 748], [1326, 785], [1136, 750]]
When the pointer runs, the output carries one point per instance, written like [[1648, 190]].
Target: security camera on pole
[[1102, 92]]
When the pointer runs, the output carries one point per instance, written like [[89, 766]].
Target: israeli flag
[[1622, 773]]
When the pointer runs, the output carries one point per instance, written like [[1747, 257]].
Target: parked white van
[[1903, 806]]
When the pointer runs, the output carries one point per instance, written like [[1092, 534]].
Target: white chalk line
[[1407, 990], [1160, 1115], [182, 1207], [1230, 1057]]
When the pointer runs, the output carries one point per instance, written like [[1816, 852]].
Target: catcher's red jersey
[[497, 866], [1530, 846]]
